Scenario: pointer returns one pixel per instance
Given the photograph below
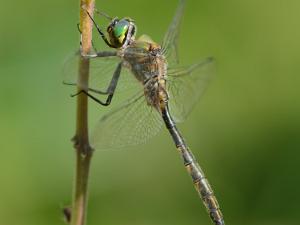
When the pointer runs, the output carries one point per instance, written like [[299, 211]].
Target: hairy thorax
[[149, 67]]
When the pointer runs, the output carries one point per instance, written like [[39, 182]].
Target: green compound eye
[[121, 28], [118, 32]]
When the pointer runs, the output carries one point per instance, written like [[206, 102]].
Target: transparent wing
[[169, 46], [132, 123], [186, 85], [101, 71]]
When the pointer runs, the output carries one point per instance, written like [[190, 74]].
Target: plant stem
[[81, 139]]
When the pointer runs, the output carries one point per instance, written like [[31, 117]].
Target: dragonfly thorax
[[145, 60]]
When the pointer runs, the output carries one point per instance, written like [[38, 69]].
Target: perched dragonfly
[[165, 93]]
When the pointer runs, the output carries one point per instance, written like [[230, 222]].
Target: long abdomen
[[201, 183]]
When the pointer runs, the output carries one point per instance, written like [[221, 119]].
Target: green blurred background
[[245, 131]]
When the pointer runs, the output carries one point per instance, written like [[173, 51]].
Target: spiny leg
[[99, 30], [106, 103], [79, 30], [101, 55], [110, 90], [103, 14], [89, 89]]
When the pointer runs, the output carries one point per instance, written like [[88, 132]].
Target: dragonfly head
[[121, 32]]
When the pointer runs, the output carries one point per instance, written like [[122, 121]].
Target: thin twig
[[81, 139]]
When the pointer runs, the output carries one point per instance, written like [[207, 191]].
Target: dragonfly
[[161, 92]]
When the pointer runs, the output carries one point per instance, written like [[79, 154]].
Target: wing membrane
[[132, 123], [186, 85], [169, 46]]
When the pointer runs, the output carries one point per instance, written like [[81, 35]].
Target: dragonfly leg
[[79, 30], [110, 90], [99, 30], [114, 79], [103, 14], [89, 89], [106, 103], [100, 54]]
